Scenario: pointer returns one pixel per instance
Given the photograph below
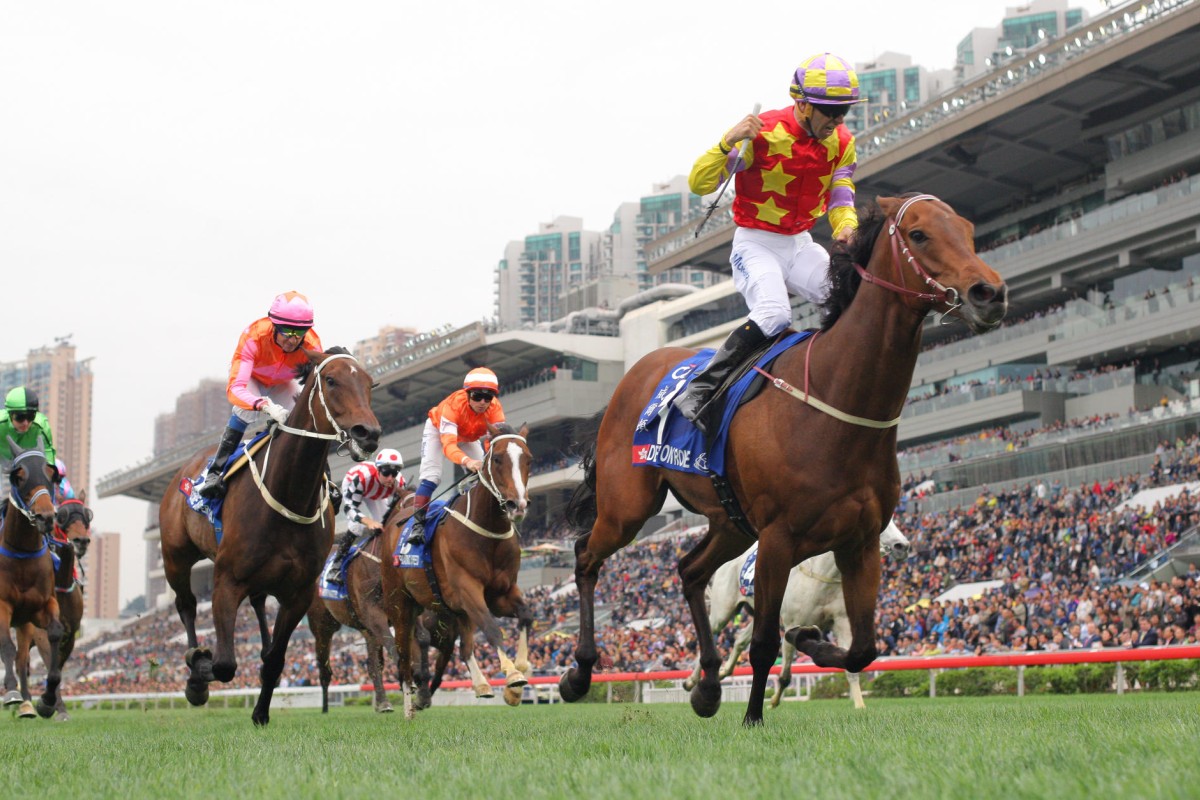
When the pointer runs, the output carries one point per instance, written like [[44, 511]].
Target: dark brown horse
[[278, 523], [27, 593], [72, 535], [362, 610], [814, 469], [476, 557]]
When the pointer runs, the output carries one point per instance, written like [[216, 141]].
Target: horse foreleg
[[8, 653], [227, 596], [286, 620], [55, 630], [524, 625], [843, 634], [770, 583], [479, 681], [785, 674], [259, 603], [379, 640], [323, 625], [740, 643], [860, 586], [481, 617], [24, 641]]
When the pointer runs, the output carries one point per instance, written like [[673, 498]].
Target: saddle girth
[[733, 509]]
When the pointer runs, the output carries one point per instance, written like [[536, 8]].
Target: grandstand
[[1080, 171]]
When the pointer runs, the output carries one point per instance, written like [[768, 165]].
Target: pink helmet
[[291, 308], [482, 378]]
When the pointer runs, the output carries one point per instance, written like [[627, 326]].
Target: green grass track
[[1085, 746]]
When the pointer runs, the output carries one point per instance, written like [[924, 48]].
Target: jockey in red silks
[[262, 375], [369, 491], [798, 163]]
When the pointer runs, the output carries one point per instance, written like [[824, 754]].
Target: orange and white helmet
[[482, 378]]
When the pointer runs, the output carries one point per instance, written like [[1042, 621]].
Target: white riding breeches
[[767, 266], [432, 453], [282, 393]]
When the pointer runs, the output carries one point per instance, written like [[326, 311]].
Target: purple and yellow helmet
[[826, 79]]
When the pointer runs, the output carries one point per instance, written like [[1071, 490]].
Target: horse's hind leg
[[323, 626], [259, 603], [286, 620], [8, 653], [625, 500], [227, 596], [785, 674]]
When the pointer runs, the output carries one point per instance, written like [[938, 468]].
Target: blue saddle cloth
[[665, 438], [211, 509], [746, 575], [421, 554]]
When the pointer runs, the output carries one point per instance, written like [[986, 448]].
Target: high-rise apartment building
[[540, 279], [197, 412], [64, 388], [1024, 27], [388, 340], [892, 84], [102, 595]]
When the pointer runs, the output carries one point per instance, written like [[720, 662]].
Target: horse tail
[[581, 508]]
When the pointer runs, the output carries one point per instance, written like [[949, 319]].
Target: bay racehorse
[[814, 468], [72, 535], [27, 593], [278, 523], [362, 610], [813, 597], [476, 557]]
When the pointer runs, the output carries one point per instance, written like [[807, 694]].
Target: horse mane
[[504, 428], [305, 369], [844, 279]]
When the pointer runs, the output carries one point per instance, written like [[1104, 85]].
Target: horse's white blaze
[[515, 453]]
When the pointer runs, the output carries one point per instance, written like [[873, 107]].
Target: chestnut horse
[[362, 610], [476, 557], [814, 470], [72, 535], [278, 523], [27, 593]]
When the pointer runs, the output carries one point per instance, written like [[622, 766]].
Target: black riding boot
[[213, 486], [693, 403], [417, 535], [333, 573]]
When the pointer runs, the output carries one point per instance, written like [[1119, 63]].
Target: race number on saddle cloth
[[746, 576], [665, 438], [211, 509], [418, 554]]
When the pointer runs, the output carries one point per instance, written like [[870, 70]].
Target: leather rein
[[943, 294]]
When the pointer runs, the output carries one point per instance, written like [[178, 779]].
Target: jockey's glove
[[275, 411]]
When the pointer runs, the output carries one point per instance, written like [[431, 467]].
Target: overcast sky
[[166, 168]]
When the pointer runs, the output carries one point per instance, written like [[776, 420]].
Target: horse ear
[[889, 205], [524, 432], [83, 496], [493, 430]]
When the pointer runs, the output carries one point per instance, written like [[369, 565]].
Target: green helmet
[[21, 399]]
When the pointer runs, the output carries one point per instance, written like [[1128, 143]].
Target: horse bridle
[[339, 435], [941, 294], [488, 481], [19, 502]]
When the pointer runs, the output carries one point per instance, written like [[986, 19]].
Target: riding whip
[[728, 179]]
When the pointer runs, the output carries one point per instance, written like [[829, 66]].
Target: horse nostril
[[982, 294]]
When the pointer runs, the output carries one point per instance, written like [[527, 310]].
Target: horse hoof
[[424, 699], [224, 672], [808, 633], [512, 696], [515, 681], [260, 720], [484, 692], [62, 716], [384, 708], [26, 711], [706, 700], [751, 722], [45, 710], [573, 692], [12, 698], [196, 692]]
